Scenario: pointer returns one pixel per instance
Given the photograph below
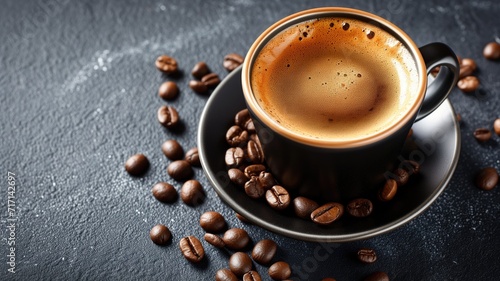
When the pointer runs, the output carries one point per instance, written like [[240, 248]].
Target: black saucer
[[438, 148]]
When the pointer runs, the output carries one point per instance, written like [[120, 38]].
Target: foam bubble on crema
[[335, 78]]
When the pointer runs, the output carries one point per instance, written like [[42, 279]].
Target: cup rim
[[309, 14]]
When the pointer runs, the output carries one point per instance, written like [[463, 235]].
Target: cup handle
[[438, 54]]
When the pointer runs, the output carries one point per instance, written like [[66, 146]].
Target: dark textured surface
[[78, 95]]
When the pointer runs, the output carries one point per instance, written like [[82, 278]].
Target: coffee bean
[[303, 207], [458, 118], [263, 252], [160, 234], [172, 149], [254, 188], [401, 176], [492, 51], [327, 214], [240, 263], [254, 170], [193, 157], [470, 63], [496, 126], [255, 138], [465, 70], [278, 197], [168, 90], [360, 207], [236, 136], [482, 134], [200, 69], [212, 222], [232, 61], [487, 178], [243, 119], [137, 165], [234, 157], [280, 270], [164, 192], [377, 276], [468, 84], [180, 170], [192, 193], [192, 249], [388, 191], [236, 238], [168, 116], [210, 80], [252, 276], [225, 275], [242, 218], [254, 152], [214, 240], [237, 176], [367, 255], [198, 86], [435, 71], [166, 64], [410, 166], [266, 180]]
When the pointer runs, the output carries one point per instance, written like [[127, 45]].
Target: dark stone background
[[78, 95]]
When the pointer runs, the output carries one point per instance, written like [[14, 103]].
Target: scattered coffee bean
[[377, 276], [212, 222], [214, 240], [200, 69], [263, 252], [225, 275], [232, 61], [492, 51], [234, 157], [166, 64], [242, 118], [278, 197], [236, 136], [160, 234], [198, 86], [168, 116], [401, 176], [303, 207], [459, 118], [468, 84], [210, 80], [328, 213], [237, 176], [496, 126], [180, 170], [240, 263], [467, 67], [168, 90], [388, 191], [254, 170], [252, 275], [193, 157], [236, 238], [254, 188], [242, 218], [280, 270], [266, 180], [164, 192], [254, 152], [137, 165], [192, 193], [367, 255], [360, 207], [172, 149], [487, 178], [482, 134], [411, 167], [192, 249]]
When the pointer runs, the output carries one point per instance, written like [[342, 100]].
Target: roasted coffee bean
[[232, 61], [192, 249], [237, 176], [168, 90], [492, 51], [168, 116], [254, 170], [459, 118], [200, 69], [487, 178], [210, 80], [327, 213], [240, 263], [212, 222], [234, 157], [252, 275], [160, 234], [172, 149], [166, 64], [367, 255], [236, 136], [254, 188], [468, 84], [198, 86], [193, 157], [388, 191], [137, 165], [412, 167], [377, 276], [279, 270], [278, 197], [465, 70], [263, 252], [401, 176], [255, 138], [266, 180], [482, 134], [360, 207], [243, 119], [225, 275], [496, 126], [180, 170], [254, 152], [192, 193], [242, 218], [214, 240], [164, 192], [236, 238], [303, 207]]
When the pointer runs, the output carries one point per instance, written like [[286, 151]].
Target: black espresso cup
[[333, 93]]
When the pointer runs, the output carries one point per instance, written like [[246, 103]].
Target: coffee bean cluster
[[204, 78]]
